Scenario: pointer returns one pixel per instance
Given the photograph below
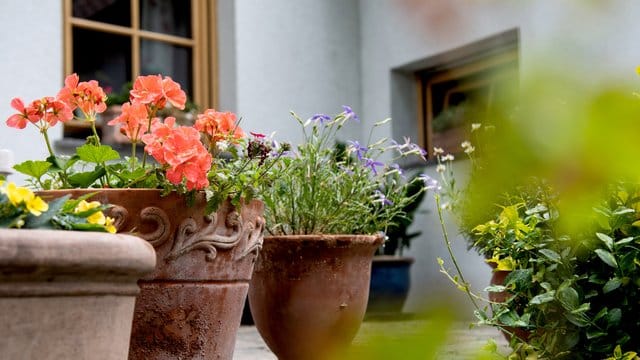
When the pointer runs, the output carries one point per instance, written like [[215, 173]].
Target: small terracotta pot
[[190, 306], [69, 294], [308, 293], [498, 278]]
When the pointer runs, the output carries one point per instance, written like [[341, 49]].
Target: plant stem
[[43, 130], [445, 234]]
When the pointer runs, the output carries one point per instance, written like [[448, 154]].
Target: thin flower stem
[[43, 130], [95, 132], [445, 234]]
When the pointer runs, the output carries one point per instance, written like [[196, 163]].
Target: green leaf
[[44, 220], [97, 154], [543, 298], [612, 285], [606, 239], [593, 333], [623, 211], [569, 298], [495, 288], [550, 254], [33, 168], [613, 317], [607, 257], [85, 179], [62, 163], [625, 240], [582, 308]]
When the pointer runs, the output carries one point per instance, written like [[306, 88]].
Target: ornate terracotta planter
[[190, 306], [67, 294], [308, 293]]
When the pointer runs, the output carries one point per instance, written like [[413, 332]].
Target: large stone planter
[[308, 294], [190, 306], [67, 294]]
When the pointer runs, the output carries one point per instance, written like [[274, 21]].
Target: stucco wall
[[30, 68], [301, 56]]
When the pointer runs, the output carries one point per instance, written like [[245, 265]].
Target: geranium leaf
[[85, 179], [607, 257], [97, 154], [33, 168]]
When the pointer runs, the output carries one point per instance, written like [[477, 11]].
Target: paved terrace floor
[[461, 342]]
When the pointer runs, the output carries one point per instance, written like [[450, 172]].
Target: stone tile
[[462, 342]]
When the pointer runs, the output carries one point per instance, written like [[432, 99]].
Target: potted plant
[[565, 278], [325, 217], [54, 285], [390, 270], [194, 202]]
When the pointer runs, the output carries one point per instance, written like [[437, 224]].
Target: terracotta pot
[[498, 278], [190, 306], [68, 294], [308, 293], [390, 283]]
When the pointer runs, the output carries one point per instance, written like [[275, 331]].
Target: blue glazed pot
[[390, 283]]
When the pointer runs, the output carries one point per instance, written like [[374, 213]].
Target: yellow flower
[[95, 218], [21, 195], [109, 226]]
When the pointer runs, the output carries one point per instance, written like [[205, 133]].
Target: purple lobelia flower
[[370, 163], [321, 118], [359, 149], [349, 114]]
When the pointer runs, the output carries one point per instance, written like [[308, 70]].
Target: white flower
[[222, 145], [448, 157], [441, 168], [438, 151], [475, 126], [465, 144], [469, 149]]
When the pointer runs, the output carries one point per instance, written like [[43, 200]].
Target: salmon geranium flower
[[217, 126], [23, 116], [156, 91], [182, 151], [132, 121], [88, 96]]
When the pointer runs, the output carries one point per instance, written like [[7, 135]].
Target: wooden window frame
[[203, 44], [454, 70]]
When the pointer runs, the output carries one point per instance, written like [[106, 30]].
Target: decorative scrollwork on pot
[[162, 225], [209, 238], [119, 215], [253, 232]]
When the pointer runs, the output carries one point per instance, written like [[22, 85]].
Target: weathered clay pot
[[190, 306], [308, 293], [67, 294]]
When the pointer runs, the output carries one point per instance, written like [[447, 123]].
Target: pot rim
[[376, 239]]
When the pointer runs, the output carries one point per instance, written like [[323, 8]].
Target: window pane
[[103, 57], [169, 60], [117, 12], [171, 17]]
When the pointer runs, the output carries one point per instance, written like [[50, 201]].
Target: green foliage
[[570, 241], [319, 191], [22, 209]]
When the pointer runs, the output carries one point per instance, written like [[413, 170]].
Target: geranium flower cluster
[[213, 155]]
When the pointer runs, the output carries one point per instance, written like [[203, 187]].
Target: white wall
[[295, 55], [30, 68], [597, 39]]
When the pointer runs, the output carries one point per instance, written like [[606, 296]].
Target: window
[[456, 93], [114, 41]]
